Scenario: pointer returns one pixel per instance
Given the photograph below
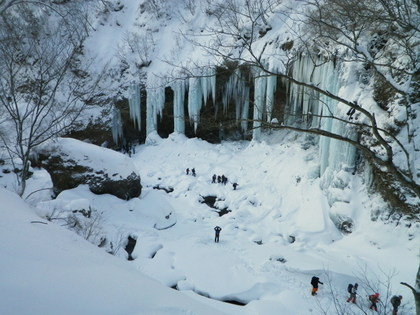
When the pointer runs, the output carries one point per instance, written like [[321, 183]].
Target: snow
[[47, 269], [279, 232], [93, 157]]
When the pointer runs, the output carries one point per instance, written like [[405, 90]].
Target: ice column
[[245, 110], [318, 111], [302, 100], [200, 87], [271, 89], [208, 83], [237, 89], [260, 86], [195, 98], [117, 131], [154, 105], [179, 88], [135, 105]]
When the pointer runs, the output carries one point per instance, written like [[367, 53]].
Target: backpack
[[314, 280], [395, 301], [350, 288]]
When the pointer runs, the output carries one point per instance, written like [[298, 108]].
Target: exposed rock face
[[72, 162]]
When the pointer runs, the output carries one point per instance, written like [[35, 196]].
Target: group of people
[[352, 290], [395, 302], [374, 299], [220, 179], [192, 171]]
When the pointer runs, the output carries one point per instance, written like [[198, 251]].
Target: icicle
[[228, 92], [179, 88], [135, 105], [208, 83], [200, 86], [116, 129], [245, 111], [194, 100], [237, 89], [154, 106], [271, 89], [318, 111], [260, 86]]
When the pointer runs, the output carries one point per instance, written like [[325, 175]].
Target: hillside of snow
[[276, 235]]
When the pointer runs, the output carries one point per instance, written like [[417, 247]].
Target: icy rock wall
[[336, 158], [318, 112], [236, 89]]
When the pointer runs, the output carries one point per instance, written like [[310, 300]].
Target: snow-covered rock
[[72, 162]]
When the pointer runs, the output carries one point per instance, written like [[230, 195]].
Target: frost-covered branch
[[43, 85]]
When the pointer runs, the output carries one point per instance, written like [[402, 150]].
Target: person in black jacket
[[314, 282], [396, 302], [217, 229]]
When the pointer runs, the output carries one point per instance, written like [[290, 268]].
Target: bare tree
[[369, 283], [415, 290], [380, 36], [87, 223], [44, 87], [370, 34], [138, 50]]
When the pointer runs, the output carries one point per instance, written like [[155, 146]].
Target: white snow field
[[276, 235]]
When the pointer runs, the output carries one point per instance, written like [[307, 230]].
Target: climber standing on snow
[[314, 282], [352, 289], [374, 298], [217, 229], [396, 302]]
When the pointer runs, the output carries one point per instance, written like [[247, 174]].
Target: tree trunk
[[416, 293]]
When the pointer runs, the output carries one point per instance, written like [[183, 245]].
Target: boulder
[[72, 162]]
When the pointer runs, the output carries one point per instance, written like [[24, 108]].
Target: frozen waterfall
[[179, 87], [318, 112], [134, 104], [154, 105], [117, 125], [264, 89], [305, 106], [237, 89], [201, 86], [260, 89]]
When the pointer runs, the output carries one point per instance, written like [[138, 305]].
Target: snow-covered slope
[[46, 269], [276, 237]]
